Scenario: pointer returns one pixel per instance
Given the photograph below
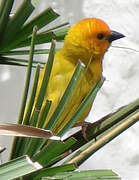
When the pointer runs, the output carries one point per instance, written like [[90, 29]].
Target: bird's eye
[[100, 36]]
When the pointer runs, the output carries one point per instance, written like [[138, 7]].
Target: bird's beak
[[114, 36]]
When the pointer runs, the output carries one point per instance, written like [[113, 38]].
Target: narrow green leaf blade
[[40, 21], [16, 22], [44, 85], [25, 52], [32, 97], [33, 145], [89, 98], [18, 167], [66, 96], [87, 175], [44, 113], [5, 10], [57, 27], [60, 33], [51, 171], [28, 77], [51, 151], [18, 62], [40, 39]]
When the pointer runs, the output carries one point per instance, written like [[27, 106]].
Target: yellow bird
[[87, 41]]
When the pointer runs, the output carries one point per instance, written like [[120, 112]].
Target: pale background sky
[[121, 69]]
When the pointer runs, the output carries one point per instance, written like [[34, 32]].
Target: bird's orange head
[[88, 38]]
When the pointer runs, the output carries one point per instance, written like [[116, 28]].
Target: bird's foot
[[84, 126]]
